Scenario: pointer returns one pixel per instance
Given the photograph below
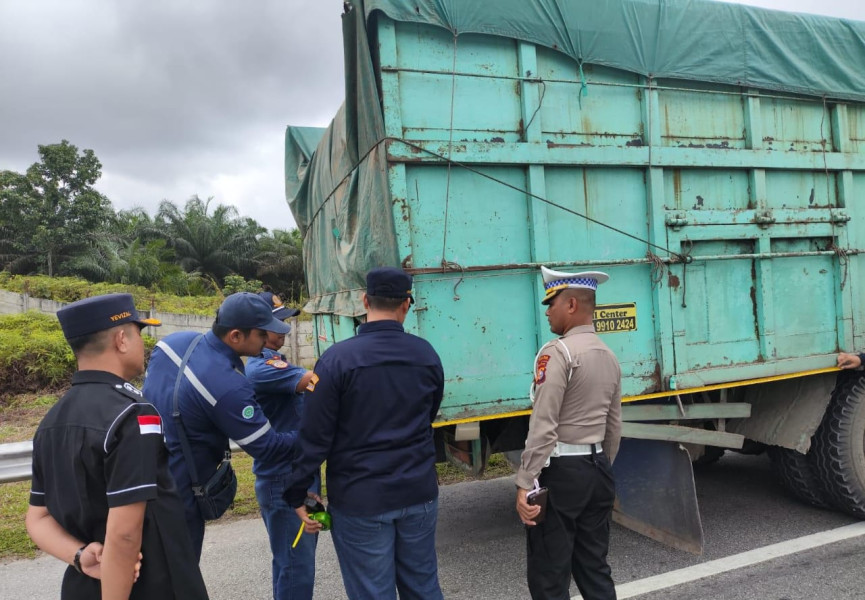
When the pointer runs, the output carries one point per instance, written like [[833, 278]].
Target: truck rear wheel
[[797, 476], [838, 452]]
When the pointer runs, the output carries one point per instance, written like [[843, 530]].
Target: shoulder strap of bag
[[175, 414]]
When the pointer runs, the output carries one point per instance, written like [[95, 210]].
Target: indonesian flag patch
[[150, 424]]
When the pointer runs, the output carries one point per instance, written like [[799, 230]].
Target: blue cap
[[389, 282], [277, 308], [245, 310], [99, 313]]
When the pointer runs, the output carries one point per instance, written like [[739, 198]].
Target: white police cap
[[556, 281]]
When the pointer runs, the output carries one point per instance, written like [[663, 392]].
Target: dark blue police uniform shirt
[[275, 382], [217, 403], [369, 415]]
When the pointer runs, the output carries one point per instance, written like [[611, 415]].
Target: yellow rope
[[667, 394], [299, 533]]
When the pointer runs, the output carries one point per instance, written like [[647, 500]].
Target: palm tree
[[211, 244], [281, 263]]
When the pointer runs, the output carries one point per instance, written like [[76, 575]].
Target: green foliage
[[212, 244], [33, 354], [281, 263], [54, 222], [50, 213], [70, 289], [236, 283]]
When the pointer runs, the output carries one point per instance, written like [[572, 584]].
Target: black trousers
[[574, 538]]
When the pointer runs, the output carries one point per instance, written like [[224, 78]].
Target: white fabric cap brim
[[551, 275]]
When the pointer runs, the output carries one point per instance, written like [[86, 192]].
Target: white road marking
[[736, 561]]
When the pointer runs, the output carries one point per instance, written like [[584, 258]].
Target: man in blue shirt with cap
[[369, 412], [215, 399], [279, 388]]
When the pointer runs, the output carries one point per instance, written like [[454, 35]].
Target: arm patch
[[311, 385], [541, 369]]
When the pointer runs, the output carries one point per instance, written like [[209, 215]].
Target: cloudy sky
[[185, 97]]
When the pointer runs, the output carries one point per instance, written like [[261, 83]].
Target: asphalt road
[[481, 549]]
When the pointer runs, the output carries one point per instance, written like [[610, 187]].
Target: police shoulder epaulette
[[127, 389]]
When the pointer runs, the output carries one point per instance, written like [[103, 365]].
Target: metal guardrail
[[16, 460]]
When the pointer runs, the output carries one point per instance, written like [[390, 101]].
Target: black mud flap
[[655, 493]]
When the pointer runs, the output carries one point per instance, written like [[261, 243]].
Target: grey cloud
[[164, 89]]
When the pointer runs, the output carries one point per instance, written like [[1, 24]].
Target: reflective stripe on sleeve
[[187, 372], [132, 489], [251, 438]]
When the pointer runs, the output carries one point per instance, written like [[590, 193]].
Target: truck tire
[[838, 452], [797, 476]]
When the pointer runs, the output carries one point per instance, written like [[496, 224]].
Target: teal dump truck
[[709, 157]]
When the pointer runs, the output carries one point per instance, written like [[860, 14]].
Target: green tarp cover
[[683, 39], [300, 144], [345, 212]]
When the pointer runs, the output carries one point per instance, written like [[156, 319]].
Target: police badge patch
[[541, 369], [276, 363]]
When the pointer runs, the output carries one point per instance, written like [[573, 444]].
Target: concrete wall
[[298, 343]]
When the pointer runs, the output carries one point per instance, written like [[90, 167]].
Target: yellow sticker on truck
[[610, 318]]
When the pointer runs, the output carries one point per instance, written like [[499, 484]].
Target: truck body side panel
[[725, 215]]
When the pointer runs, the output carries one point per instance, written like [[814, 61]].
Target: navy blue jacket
[[275, 382], [217, 403], [369, 414]]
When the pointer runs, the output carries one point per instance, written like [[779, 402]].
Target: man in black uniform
[[101, 491]]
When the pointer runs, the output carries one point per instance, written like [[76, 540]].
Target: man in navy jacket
[[368, 411], [216, 400]]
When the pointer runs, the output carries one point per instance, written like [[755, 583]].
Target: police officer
[[101, 490], [215, 399], [368, 412], [574, 434], [279, 388]]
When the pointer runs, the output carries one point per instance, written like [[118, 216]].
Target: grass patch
[[19, 418], [497, 466], [14, 541], [201, 300], [245, 503]]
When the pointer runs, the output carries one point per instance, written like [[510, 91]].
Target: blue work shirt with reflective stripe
[[217, 403], [370, 416], [275, 383]]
